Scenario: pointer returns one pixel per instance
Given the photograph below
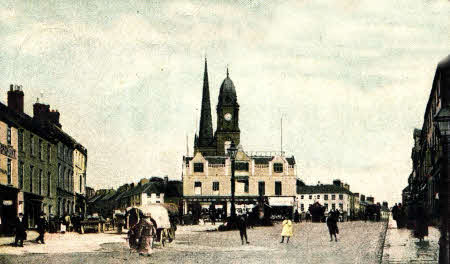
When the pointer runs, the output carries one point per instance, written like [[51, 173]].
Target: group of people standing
[[415, 218]]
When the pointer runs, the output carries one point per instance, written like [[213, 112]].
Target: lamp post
[[442, 119], [232, 151]]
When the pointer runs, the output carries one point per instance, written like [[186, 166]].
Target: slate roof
[[319, 189], [173, 189]]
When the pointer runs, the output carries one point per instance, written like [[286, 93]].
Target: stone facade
[[42, 148], [210, 178]]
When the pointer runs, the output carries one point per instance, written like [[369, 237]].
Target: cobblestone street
[[358, 242]]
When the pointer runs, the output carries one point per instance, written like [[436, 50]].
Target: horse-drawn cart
[[160, 217]]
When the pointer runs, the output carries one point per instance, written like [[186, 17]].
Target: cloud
[[351, 78]]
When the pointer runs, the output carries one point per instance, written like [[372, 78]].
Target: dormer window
[[278, 167], [242, 166], [198, 167]]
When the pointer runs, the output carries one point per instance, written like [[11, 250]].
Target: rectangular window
[[302, 207], [215, 186], [40, 182], [341, 196], [198, 167], [326, 206], [20, 139], [310, 197], [49, 178], [31, 177], [41, 150], [21, 168], [278, 167], [49, 148], [318, 196], [261, 188], [333, 206], [302, 196], [333, 197], [278, 190], [32, 145], [246, 186], [241, 166], [325, 197], [9, 171], [8, 135], [341, 206], [59, 175], [198, 188]]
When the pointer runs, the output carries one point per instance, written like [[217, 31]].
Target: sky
[[350, 78]]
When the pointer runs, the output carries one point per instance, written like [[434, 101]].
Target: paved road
[[358, 242]]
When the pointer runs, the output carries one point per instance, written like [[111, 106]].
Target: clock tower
[[227, 117]]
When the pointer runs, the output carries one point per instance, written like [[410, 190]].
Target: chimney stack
[[42, 112], [15, 98]]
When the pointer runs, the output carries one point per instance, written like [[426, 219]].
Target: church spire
[[206, 129]]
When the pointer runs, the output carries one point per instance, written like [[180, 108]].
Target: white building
[[329, 195]]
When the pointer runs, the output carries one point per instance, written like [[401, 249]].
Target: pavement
[[358, 242], [401, 246]]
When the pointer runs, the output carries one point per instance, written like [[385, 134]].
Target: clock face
[[227, 116]]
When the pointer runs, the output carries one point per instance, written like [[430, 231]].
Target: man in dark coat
[[332, 219], [242, 225], [41, 228], [421, 223], [21, 231], [395, 212]]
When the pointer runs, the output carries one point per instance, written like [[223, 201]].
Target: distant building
[[332, 196]]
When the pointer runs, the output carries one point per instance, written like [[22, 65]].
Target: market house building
[[207, 174]]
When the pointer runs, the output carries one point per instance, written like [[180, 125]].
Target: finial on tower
[[228, 74]]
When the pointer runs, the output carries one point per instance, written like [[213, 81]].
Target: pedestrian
[[242, 225], [332, 225], [21, 231], [296, 216], [41, 228], [67, 220], [287, 229], [212, 214], [421, 223], [395, 212], [133, 238], [146, 231]]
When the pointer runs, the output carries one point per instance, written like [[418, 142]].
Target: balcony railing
[[264, 153]]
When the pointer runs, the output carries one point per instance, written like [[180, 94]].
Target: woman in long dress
[[287, 230]]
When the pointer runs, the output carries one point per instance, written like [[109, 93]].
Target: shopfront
[[8, 209]]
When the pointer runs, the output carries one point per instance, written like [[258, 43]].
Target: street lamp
[[442, 119], [232, 151]]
